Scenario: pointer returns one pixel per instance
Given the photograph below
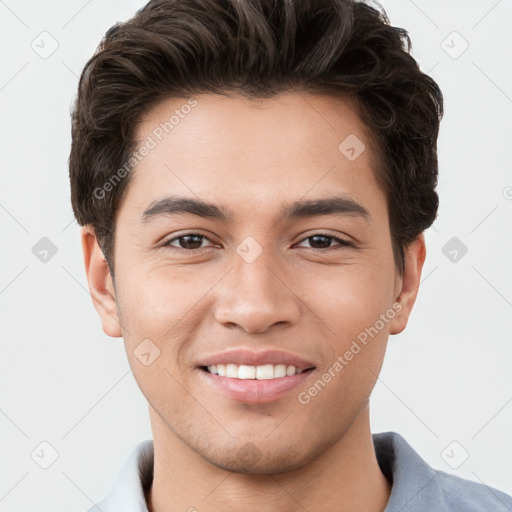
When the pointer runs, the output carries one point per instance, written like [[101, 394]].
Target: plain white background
[[446, 382]]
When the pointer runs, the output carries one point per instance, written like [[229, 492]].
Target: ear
[[100, 283], [408, 284]]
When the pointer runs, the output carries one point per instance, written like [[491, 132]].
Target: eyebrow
[[175, 205]]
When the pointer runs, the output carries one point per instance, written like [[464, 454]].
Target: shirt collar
[[132, 481], [408, 473]]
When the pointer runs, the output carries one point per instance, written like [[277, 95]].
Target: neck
[[345, 478]]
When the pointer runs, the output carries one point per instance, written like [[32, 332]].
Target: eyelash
[[341, 242]]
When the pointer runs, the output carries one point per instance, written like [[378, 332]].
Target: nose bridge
[[254, 295]]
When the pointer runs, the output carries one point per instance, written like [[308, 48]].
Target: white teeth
[[232, 371], [246, 372], [264, 372], [280, 370]]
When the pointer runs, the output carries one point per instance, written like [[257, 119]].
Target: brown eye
[[323, 241], [320, 241], [190, 241]]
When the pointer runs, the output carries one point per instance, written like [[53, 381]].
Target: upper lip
[[251, 358]]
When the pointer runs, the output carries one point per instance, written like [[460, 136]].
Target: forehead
[[287, 145], [306, 122]]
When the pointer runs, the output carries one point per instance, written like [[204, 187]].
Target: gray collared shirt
[[416, 487]]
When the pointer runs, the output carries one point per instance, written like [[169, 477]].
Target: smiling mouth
[[247, 372]]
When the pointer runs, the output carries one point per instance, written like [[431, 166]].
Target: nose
[[256, 295]]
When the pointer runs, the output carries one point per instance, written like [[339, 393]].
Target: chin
[[268, 464], [261, 457]]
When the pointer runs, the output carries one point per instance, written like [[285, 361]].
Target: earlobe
[[100, 283], [415, 254]]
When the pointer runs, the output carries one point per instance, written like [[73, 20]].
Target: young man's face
[[255, 281]]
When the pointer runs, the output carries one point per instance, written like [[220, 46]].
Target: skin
[[312, 300]]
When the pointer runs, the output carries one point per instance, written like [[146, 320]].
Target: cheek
[[153, 299], [161, 309], [153, 305], [348, 299], [356, 341]]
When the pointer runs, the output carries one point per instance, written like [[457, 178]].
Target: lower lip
[[255, 391]]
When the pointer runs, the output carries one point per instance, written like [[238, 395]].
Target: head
[[255, 175]]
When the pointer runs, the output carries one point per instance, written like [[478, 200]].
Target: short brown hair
[[257, 48]]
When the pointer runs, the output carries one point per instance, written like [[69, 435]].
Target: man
[[253, 178]]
